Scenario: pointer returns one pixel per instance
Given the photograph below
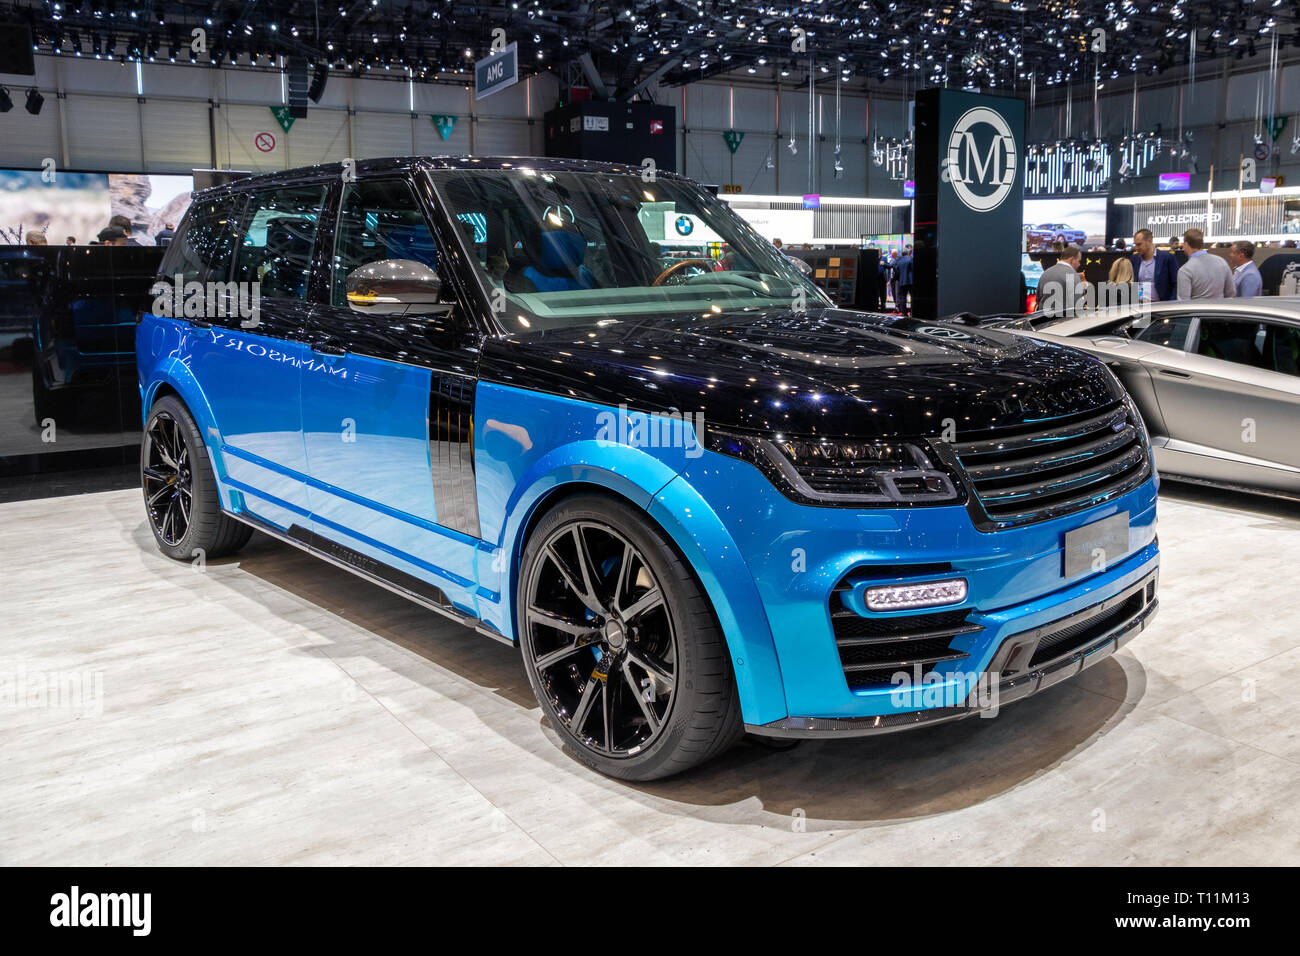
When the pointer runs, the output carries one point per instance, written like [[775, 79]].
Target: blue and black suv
[[589, 412]]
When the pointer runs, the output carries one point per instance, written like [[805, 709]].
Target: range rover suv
[[598, 418]]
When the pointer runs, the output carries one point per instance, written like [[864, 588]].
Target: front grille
[[1049, 469], [1079, 633], [873, 649]]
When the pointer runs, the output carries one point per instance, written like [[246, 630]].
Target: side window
[[202, 249], [378, 220], [1232, 340], [1167, 331], [1282, 348], [278, 240]]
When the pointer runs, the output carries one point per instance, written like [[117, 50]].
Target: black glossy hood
[[829, 372]]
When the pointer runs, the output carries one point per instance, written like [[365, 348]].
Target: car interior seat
[[553, 262]]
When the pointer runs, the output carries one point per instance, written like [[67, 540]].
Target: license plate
[[1096, 546]]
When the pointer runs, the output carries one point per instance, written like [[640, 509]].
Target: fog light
[[902, 597]]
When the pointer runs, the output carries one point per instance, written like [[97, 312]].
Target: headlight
[[843, 472]]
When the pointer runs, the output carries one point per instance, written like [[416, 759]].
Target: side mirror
[[395, 287]]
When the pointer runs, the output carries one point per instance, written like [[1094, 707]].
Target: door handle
[[330, 346], [1174, 374]]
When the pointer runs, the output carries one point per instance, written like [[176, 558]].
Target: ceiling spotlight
[[792, 146], [6, 104], [771, 163], [34, 101]]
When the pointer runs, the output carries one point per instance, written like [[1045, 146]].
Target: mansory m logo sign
[[981, 160]]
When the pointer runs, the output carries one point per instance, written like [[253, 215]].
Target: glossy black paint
[[829, 372]]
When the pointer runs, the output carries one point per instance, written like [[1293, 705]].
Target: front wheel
[[621, 644], [180, 491]]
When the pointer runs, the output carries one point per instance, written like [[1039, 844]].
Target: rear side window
[[278, 241], [1232, 340], [202, 249]]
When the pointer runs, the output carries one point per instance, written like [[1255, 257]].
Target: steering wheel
[[676, 267]]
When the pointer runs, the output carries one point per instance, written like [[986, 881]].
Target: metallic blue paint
[[273, 413]]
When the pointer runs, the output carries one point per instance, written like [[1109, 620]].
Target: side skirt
[[376, 572]]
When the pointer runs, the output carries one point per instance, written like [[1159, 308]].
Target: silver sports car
[[1217, 381]]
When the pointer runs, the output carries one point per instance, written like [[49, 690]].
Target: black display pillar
[[970, 156]]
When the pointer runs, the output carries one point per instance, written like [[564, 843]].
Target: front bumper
[[1124, 616]]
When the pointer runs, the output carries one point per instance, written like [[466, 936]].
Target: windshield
[[561, 249]]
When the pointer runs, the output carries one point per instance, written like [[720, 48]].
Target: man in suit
[[1060, 287], [904, 269], [1245, 274], [1203, 276], [1155, 270]]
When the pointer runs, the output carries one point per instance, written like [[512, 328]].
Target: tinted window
[[278, 240], [1232, 340], [202, 248], [378, 220], [1170, 331], [1282, 348], [574, 248]]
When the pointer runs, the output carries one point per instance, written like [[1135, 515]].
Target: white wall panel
[[495, 136], [26, 140], [103, 133], [381, 134], [175, 135]]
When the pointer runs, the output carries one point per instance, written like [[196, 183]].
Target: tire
[[631, 670], [180, 491]]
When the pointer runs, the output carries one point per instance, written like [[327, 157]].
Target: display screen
[[1175, 182], [909, 189], [66, 205], [1078, 221]]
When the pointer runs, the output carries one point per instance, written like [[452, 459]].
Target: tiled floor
[[274, 709]]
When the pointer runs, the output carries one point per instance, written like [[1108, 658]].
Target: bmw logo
[[685, 225]]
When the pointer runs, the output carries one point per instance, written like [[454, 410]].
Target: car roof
[[1286, 308], [406, 164]]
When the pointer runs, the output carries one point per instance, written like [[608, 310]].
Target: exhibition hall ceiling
[[618, 47]]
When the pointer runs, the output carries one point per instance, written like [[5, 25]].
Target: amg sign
[[969, 201]]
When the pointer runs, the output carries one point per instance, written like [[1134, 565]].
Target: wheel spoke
[[620, 586], [559, 622], [646, 602], [560, 653], [586, 597], [584, 566], [153, 499], [651, 717], [646, 662], [583, 710], [154, 474], [168, 518]]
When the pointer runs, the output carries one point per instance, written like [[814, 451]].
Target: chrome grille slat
[[1055, 470], [1023, 466], [1033, 439]]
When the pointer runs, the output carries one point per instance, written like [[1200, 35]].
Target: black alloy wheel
[[180, 490], [168, 483], [621, 645]]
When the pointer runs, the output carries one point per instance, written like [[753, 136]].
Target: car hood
[[828, 372]]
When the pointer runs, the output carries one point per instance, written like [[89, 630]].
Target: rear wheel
[[621, 644], [180, 491]]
